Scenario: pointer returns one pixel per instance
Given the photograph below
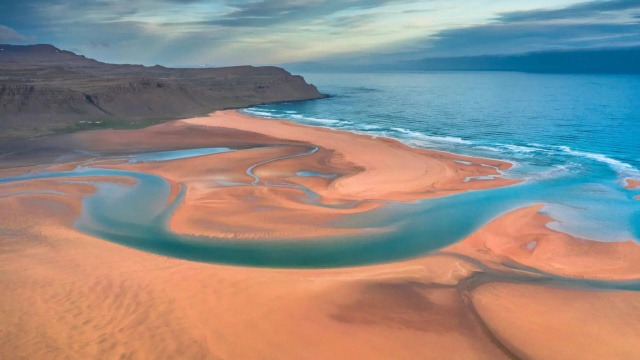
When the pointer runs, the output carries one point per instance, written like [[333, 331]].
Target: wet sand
[[383, 163], [505, 241], [363, 168], [633, 184], [67, 295]]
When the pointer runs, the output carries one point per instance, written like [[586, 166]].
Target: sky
[[234, 32]]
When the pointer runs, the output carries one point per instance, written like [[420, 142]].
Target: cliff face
[[44, 89]]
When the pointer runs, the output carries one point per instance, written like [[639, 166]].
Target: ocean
[[559, 130], [574, 138]]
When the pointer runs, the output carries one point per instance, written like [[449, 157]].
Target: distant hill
[[44, 89], [601, 61], [593, 61]]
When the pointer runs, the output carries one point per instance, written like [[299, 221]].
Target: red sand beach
[[67, 295]]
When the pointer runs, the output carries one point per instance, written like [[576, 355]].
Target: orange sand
[[633, 184], [68, 186], [384, 164], [169, 135], [72, 295], [367, 168], [66, 295], [561, 324], [504, 240]]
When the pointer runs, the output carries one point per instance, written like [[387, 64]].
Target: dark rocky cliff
[[44, 89]]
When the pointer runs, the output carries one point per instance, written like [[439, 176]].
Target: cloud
[[351, 21], [187, 32], [8, 35], [269, 12], [580, 10], [524, 37], [585, 25], [576, 26], [95, 44]]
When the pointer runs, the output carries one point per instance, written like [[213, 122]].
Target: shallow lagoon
[[136, 215], [578, 177]]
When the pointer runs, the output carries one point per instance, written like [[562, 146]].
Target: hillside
[[44, 89]]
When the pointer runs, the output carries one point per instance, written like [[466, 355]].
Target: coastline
[[369, 172], [99, 95], [402, 307], [71, 294]]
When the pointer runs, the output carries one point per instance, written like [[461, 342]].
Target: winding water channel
[[137, 216]]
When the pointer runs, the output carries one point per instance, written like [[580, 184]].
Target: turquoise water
[[551, 119], [557, 129], [578, 180]]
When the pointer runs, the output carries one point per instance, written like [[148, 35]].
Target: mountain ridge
[[621, 60], [44, 90]]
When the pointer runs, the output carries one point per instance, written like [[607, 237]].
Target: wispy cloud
[[224, 32], [524, 37], [269, 12], [8, 35], [589, 24], [580, 10]]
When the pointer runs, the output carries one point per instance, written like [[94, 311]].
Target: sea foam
[[623, 169]]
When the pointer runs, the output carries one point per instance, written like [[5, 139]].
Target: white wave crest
[[367, 127], [257, 113], [315, 120], [419, 135], [522, 149], [623, 169]]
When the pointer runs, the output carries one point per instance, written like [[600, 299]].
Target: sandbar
[[375, 170], [68, 295]]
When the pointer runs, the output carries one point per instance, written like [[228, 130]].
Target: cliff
[[44, 89]]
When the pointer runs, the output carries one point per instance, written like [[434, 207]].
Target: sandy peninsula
[[494, 295], [362, 168]]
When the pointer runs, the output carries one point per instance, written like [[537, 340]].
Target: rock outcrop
[[44, 89]]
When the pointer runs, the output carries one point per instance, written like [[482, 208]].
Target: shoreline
[[447, 301], [502, 150], [233, 128], [374, 136], [242, 131], [69, 294], [373, 170]]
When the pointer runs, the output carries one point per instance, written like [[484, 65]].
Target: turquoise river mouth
[[137, 216]]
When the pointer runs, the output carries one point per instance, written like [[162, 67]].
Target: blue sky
[[199, 32]]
